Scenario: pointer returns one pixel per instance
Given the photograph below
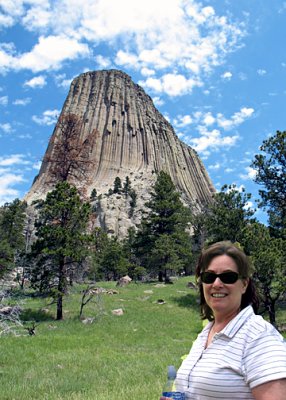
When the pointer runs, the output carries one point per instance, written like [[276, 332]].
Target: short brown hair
[[242, 262]]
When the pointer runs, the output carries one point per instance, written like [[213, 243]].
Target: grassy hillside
[[114, 357]]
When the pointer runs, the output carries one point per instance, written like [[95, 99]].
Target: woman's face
[[224, 299]]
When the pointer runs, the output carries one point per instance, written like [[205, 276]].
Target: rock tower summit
[[120, 134]]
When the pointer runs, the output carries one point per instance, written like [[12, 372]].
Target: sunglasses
[[228, 277]]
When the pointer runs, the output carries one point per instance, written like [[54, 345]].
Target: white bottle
[[169, 390]]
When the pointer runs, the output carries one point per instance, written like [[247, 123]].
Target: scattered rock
[[191, 285], [124, 281], [52, 327], [97, 291], [8, 310], [282, 327], [88, 321], [112, 291], [118, 312]]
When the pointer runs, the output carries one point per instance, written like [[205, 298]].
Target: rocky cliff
[[116, 131]]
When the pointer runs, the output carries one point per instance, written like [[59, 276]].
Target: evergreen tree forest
[[167, 242]]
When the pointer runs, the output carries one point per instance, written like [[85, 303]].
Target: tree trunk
[[60, 306], [271, 312], [270, 307], [61, 289]]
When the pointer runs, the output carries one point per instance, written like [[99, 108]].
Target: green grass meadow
[[115, 357]]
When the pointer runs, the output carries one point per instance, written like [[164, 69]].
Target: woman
[[238, 355]]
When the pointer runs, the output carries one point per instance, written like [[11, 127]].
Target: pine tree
[[271, 174], [61, 241], [117, 185], [113, 263], [163, 243], [93, 195], [12, 240], [268, 256], [227, 215], [126, 186]]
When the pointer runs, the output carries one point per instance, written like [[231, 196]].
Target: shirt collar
[[233, 326]]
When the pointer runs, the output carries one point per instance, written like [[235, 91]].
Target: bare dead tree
[[93, 295], [10, 321], [69, 156], [32, 329]]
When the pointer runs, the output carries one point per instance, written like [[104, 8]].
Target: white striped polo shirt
[[249, 351]]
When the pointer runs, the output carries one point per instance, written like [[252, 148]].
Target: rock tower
[[119, 133]]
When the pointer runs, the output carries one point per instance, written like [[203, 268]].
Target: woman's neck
[[221, 320]]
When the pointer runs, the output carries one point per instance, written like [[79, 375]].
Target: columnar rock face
[[123, 135]]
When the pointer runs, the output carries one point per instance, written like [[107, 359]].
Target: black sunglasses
[[228, 277]]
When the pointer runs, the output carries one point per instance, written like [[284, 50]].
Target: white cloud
[[183, 37], [182, 121], [13, 8], [240, 188], [22, 102], [103, 20], [250, 174], [6, 56], [215, 166], [171, 84], [3, 101], [24, 136], [13, 160], [147, 71], [242, 76], [237, 118], [249, 205], [36, 82], [212, 141], [49, 117], [167, 117], [38, 17], [48, 54], [37, 165], [208, 119], [205, 119], [125, 58], [7, 181], [261, 72], [158, 101], [103, 62], [227, 75], [6, 127], [63, 81], [6, 21], [282, 7]]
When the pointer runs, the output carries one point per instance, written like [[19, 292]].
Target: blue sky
[[214, 68]]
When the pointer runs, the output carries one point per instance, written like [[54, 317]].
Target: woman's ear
[[245, 283]]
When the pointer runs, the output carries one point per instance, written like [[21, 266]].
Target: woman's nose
[[217, 282]]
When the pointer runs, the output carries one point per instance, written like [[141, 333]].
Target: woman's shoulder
[[257, 327]]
